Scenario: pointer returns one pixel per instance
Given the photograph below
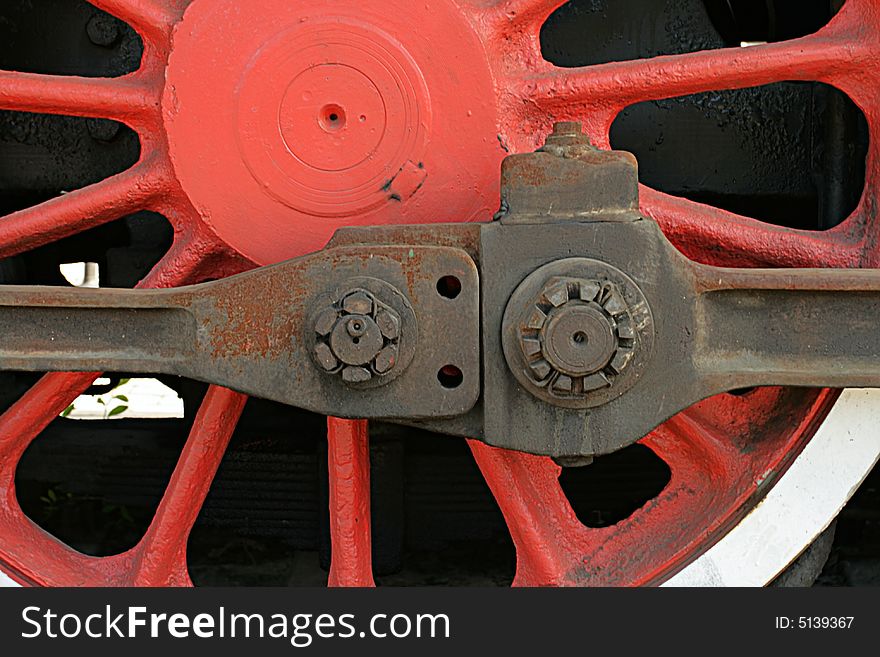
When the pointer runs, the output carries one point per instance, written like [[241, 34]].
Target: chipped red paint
[[215, 165]]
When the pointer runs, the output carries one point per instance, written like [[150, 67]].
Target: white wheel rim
[[801, 505], [6, 582]]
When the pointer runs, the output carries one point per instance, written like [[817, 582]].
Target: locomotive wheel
[[266, 126]]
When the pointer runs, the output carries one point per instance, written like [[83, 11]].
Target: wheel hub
[[286, 122]]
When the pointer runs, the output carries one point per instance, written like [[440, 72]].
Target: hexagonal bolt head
[[389, 324], [358, 303], [356, 374], [385, 359], [357, 337], [326, 321], [324, 356]]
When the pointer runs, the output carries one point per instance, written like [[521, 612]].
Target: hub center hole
[[580, 338], [332, 118]]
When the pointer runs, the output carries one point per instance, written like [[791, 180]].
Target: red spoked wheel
[[266, 126]]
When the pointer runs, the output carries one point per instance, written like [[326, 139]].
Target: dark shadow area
[[46, 155], [96, 485], [791, 154], [588, 32], [612, 487], [66, 37], [434, 519], [855, 553], [259, 524]]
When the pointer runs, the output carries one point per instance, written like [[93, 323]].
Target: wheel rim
[[507, 104]]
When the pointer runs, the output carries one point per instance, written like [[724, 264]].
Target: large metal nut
[[577, 337], [357, 337], [577, 333]]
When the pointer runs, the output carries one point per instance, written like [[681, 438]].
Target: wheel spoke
[[194, 258], [552, 545], [161, 555], [179, 263], [22, 542], [711, 477], [705, 472], [32, 413], [349, 466], [39, 558], [24, 547], [85, 208], [603, 90], [539, 518], [714, 236], [555, 549], [129, 99], [26, 418], [53, 393], [687, 444], [196, 254]]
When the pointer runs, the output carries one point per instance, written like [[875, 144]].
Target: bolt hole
[[450, 376], [363, 118], [356, 340], [579, 338], [449, 287]]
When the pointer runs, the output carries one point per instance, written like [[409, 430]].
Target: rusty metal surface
[[255, 332], [570, 328], [546, 186], [701, 330], [800, 327]]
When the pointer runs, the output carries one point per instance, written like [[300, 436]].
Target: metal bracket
[[256, 332]]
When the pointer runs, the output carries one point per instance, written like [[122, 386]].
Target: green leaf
[[67, 411], [121, 398], [122, 382], [117, 411], [100, 401]]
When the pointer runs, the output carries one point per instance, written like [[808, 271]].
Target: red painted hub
[[288, 119], [266, 125]]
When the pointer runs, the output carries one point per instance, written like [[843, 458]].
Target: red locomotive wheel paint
[[265, 126]]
